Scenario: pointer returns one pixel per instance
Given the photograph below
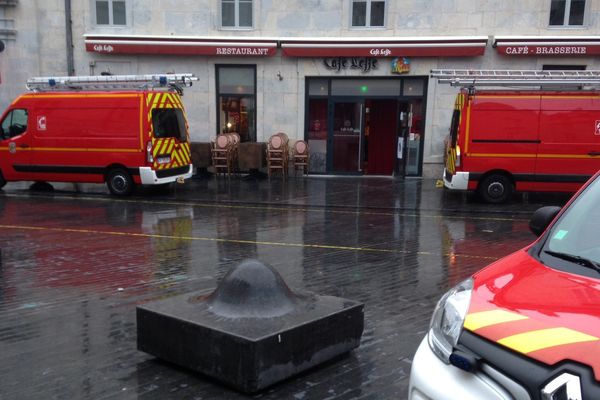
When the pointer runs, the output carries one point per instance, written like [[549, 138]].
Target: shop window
[[365, 87], [237, 101], [318, 87], [111, 12], [567, 12], [368, 13], [236, 14], [413, 87]]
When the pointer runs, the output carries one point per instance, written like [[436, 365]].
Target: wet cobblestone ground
[[75, 263]]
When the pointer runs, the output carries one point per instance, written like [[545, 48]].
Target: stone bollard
[[252, 330]]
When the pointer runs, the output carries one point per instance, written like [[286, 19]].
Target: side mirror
[[541, 218]]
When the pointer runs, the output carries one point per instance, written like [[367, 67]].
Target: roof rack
[[491, 77], [111, 82]]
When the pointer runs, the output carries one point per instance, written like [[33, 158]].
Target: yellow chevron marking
[[544, 338], [482, 319], [176, 157], [155, 102]]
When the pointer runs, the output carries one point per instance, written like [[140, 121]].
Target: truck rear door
[[170, 145]]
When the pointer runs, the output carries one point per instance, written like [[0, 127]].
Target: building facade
[[349, 76]]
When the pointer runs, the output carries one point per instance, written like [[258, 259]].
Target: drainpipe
[[69, 34]]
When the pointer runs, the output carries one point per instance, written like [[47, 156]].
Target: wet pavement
[[75, 262]]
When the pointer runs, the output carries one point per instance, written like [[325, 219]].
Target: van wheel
[[119, 182], [496, 188], [2, 180]]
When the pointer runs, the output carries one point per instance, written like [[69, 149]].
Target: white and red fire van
[[122, 130], [508, 138]]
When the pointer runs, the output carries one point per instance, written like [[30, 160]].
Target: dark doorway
[[381, 129]]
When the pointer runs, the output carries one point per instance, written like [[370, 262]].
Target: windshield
[[577, 232]]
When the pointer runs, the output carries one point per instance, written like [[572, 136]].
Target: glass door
[[346, 136], [414, 129]]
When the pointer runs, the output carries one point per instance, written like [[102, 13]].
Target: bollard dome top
[[252, 289]]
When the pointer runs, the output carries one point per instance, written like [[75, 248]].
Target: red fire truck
[[122, 130], [524, 139]]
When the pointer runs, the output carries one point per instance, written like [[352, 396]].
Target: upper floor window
[[368, 13], [567, 12], [236, 14], [111, 12]]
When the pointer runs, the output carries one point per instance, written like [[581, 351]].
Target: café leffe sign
[[365, 64]]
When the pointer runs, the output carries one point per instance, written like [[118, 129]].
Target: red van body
[[501, 141], [118, 137]]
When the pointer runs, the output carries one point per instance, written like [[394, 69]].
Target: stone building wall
[[39, 49]]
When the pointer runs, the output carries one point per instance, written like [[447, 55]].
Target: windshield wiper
[[585, 262]]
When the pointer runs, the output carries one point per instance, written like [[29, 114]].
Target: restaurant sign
[[365, 64], [181, 47], [535, 50]]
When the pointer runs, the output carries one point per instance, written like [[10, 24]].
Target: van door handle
[[594, 153], [24, 146]]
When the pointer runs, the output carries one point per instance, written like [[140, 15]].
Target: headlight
[[448, 318]]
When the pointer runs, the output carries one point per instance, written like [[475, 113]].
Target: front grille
[[530, 374], [165, 173]]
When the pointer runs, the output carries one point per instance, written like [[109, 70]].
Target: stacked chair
[[225, 152], [300, 157], [278, 154]]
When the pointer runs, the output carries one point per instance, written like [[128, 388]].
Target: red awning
[[547, 45], [181, 45], [385, 47]]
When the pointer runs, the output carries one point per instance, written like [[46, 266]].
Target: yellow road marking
[[482, 319], [544, 338], [238, 241], [271, 208]]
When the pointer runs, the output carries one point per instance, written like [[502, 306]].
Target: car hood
[[538, 311]]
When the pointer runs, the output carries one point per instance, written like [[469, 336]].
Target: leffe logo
[[566, 383]]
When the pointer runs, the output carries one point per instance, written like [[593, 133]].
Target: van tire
[[119, 182], [2, 180], [496, 188]]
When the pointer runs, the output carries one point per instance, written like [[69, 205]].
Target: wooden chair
[[221, 154], [300, 156], [277, 154]]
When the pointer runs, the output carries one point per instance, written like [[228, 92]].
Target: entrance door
[[380, 136], [346, 136]]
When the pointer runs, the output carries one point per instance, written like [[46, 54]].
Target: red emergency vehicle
[[122, 130], [507, 139], [527, 326]]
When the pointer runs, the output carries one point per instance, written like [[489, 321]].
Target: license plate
[[163, 160], [180, 179]]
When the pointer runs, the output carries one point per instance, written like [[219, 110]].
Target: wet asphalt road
[[75, 262]]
